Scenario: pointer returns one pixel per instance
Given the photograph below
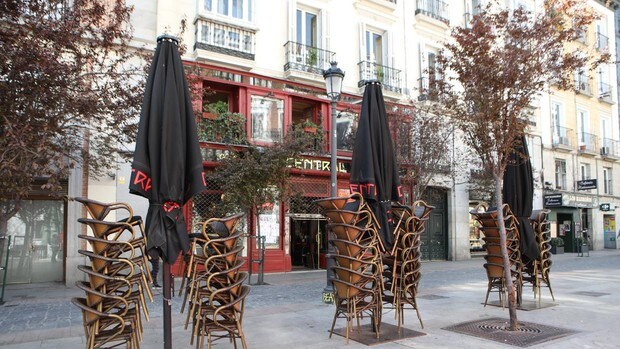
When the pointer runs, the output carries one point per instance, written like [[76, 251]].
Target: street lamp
[[333, 85]]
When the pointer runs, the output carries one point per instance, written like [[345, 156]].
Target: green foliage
[[556, 241], [313, 141], [256, 175], [227, 127]]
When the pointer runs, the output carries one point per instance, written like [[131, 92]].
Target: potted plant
[[312, 57], [309, 126], [557, 245], [212, 110]]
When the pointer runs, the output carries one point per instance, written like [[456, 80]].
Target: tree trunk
[[512, 303]]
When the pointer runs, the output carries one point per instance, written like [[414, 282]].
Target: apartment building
[[578, 154], [263, 60]]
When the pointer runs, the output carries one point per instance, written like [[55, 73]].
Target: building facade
[[264, 60]]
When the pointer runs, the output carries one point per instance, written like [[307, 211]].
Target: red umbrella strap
[[170, 206]]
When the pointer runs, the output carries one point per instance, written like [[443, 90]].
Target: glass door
[[37, 242]]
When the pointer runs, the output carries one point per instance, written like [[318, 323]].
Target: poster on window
[[269, 223]]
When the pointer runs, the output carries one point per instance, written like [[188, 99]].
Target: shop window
[[267, 119], [269, 225]]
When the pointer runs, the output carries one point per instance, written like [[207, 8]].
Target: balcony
[[428, 90], [388, 77], [587, 143], [604, 93], [303, 58], [583, 86], [561, 138], [225, 38], [436, 9], [610, 149], [602, 42]]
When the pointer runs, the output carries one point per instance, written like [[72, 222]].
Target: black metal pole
[[167, 307], [328, 291]]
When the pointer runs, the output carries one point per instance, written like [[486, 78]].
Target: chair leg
[[331, 331]]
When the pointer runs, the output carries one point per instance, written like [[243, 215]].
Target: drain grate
[[431, 297], [388, 333], [592, 294], [498, 329]]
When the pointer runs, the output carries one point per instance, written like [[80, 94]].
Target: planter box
[[557, 249]]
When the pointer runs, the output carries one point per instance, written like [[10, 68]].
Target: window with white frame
[[239, 9], [607, 181], [557, 120], [374, 46], [585, 171], [605, 126], [604, 88], [306, 29], [560, 174], [583, 126]]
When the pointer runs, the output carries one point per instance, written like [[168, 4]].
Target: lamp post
[[333, 85]]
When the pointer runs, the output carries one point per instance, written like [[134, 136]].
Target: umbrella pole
[[167, 301]]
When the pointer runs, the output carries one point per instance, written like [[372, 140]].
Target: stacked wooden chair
[[214, 290], [494, 265], [357, 254], [118, 277], [536, 272], [402, 265]]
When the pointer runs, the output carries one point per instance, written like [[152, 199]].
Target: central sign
[[586, 184]]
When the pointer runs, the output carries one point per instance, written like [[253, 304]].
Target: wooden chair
[[226, 317], [352, 302], [100, 211], [104, 329]]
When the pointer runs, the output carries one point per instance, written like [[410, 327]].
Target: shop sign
[[586, 184], [605, 207], [553, 200], [582, 201], [317, 165]]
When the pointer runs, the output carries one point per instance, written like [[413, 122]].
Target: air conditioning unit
[[604, 151]]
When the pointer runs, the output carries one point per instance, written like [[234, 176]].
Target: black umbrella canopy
[[167, 167], [374, 172], [518, 192]]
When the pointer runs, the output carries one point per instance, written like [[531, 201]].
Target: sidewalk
[[288, 313]]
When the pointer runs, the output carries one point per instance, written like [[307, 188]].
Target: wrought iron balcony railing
[[587, 142], [561, 136], [610, 148], [604, 92], [388, 77], [306, 58], [223, 38], [433, 8], [602, 42]]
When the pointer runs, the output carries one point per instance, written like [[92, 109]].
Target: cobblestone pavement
[[289, 313]]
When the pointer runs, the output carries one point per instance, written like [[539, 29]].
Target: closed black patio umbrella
[[167, 166], [518, 192], [374, 172]]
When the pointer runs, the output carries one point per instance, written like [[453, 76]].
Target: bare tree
[[493, 70], [70, 89], [424, 146]]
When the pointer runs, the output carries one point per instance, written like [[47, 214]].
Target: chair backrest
[[108, 230], [106, 283], [103, 301], [360, 218], [222, 261], [224, 244], [114, 326], [494, 270], [109, 266], [352, 249], [351, 232], [109, 248], [353, 276]]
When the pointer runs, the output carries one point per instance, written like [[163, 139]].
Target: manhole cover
[[592, 294], [498, 329], [431, 296]]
